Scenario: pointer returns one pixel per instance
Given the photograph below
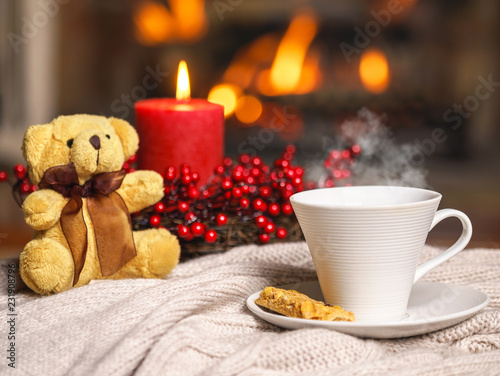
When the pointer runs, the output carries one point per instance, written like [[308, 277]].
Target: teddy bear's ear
[[127, 134], [35, 140]]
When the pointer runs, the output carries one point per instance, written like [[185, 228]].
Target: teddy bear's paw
[[157, 252], [46, 266], [42, 209]]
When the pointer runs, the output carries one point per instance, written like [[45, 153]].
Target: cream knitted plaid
[[195, 322]]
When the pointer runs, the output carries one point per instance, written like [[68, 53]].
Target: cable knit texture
[[195, 322]]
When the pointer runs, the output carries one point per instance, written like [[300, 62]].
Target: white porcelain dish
[[432, 306]]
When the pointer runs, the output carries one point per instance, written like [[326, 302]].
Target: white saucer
[[432, 306]]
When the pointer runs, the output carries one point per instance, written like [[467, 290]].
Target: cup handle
[[459, 245]]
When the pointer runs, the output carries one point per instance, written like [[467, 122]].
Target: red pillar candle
[[180, 131]]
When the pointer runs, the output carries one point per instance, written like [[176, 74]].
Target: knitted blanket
[[195, 322]]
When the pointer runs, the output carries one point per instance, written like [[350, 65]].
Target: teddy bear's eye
[[69, 143], [108, 136]]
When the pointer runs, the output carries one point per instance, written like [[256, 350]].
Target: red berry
[[346, 154], [210, 236], [219, 169], [193, 192], [290, 173], [155, 220], [287, 156], [185, 170], [227, 184], [264, 238], [228, 162], [285, 163], [245, 189], [245, 203], [167, 190], [238, 175], [221, 219], [290, 148], [287, 209], [265, 191], [256, 161], [170, 173], [183, 231], [25, 188], [130, 170], [356, 149], [126, 166], [3, 176], [269, 227], [297, 181], [281, 233], [19, 170], [132, 159], [186, 179], [334, 154], [189, 216], [250, 180], [255, 172], [205, 193], [237, 192], [33, 188], [274, 209], [259, 204], [183, 206], [197, 229], [244, 158], [160, 207], [299, 171], [260, 221], [286, 194], [195, 177]]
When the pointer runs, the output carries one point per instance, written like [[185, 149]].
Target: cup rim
[[294, 199]]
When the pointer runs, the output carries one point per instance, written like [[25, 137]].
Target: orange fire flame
[[271, 66], [184, 21], [374, 71], [288, 65]]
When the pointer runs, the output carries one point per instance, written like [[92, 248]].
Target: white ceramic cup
[[366, 242]]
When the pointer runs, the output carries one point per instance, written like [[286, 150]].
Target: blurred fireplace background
[[313, 63]]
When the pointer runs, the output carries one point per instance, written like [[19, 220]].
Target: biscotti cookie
[[294, 304]]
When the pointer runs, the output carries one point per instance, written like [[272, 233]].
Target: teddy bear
[[81, 211]]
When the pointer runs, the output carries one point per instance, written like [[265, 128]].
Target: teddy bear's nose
[[95, 141]]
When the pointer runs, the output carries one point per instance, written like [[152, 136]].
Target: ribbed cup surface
[[366, 254]]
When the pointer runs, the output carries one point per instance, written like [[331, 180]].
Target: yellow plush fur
[[46, 263]]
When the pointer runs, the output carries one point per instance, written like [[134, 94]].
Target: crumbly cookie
[[294, 304]]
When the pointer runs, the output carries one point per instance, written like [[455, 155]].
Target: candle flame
[[183, 90]]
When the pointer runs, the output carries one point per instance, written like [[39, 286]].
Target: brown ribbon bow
[[108, 213]]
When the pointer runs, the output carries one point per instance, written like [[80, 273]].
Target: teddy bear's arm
[[42, 209], [141, 189]]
